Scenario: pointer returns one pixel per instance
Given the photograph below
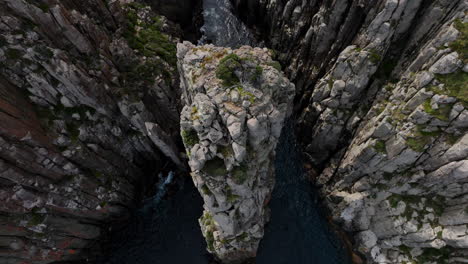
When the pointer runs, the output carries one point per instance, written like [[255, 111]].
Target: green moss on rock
[[374, 56], [215, 167], [455, 85], [276, 65], [146, 37], [205, 189], [257, 73], [379, 146], [442, 113], [434, 255], [239, 174], [230, 197], [226, 151], [226, 69], [421, 138], [243, 93], [190, 137], [461, 44]]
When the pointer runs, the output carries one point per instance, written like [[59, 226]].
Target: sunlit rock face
[[382, 117], [236, 102]]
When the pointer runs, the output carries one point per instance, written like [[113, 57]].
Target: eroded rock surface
[[382, 117], [236, 104], [87, 109]]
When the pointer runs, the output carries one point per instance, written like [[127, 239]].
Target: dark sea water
[[222, 28], [166, 231]]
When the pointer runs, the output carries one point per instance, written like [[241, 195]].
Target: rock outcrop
[[90, 108], [88, 112], [381, 98], [236, 102]]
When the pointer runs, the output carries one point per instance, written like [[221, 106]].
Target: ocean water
[[166, 231]]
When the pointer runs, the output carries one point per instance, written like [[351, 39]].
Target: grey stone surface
[[230, 133]]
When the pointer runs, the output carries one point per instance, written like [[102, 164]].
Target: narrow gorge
[[233, 131]]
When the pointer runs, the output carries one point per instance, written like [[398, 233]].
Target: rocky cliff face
[[88, 112], [236, 102], [381, 105], [89, 109]]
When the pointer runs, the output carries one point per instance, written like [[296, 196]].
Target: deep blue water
[[167, 232]]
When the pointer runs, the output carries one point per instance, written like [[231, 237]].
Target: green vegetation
[[417, 144], [436, 202], [461, 44], [226, 151], [230, 197], [455, 85], [210, 240], [205, 189], [215, 167], [434, 255], [330, 83], [226, 69], [451, 138], [380, 146], [389, 87], [421, 138], [276, 65], [257, 73], [380, 108], [374, 56], [13, 54], [208, 222], [239, 174], [273, 53], [442, 113], [149, 40], [244, 93], [405, 249], [190, 137]]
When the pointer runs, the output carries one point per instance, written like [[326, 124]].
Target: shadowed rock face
[[76, 99], [186, 13], [236, 104]]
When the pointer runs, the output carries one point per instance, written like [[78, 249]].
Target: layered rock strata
[[236, 102], [86, 92], [402, 183], [381, 99]]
